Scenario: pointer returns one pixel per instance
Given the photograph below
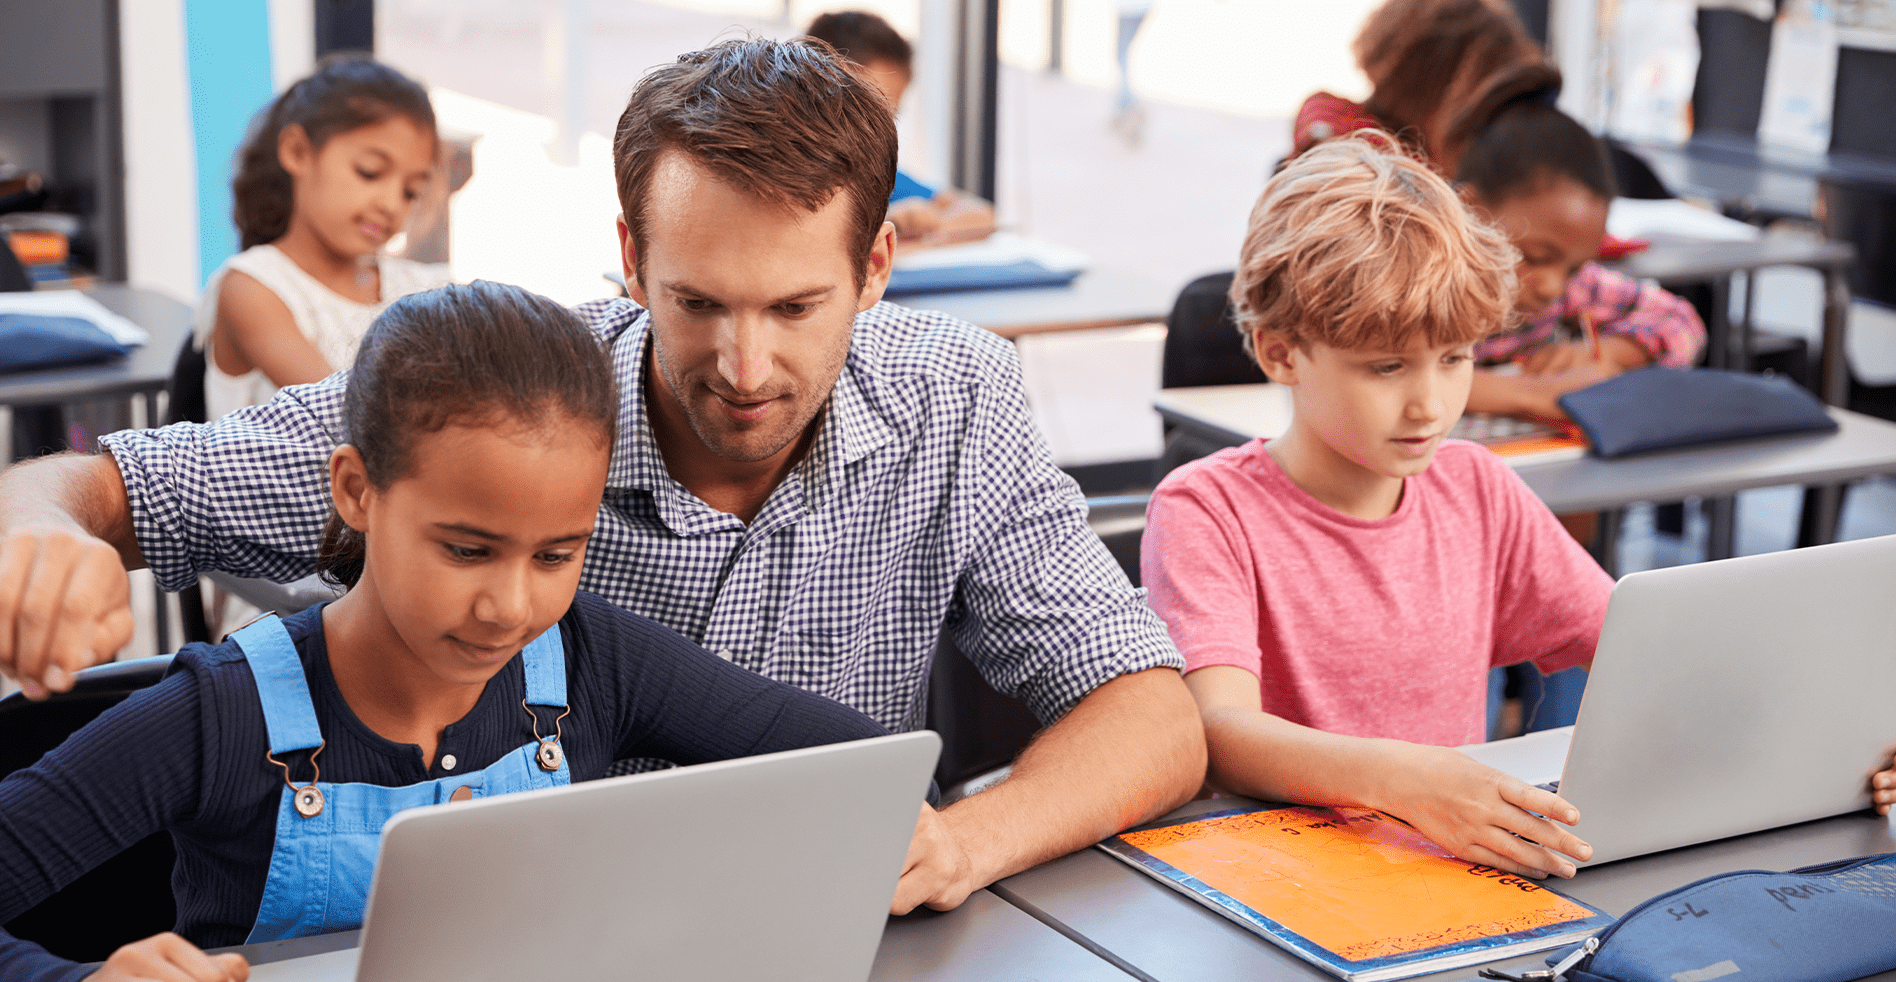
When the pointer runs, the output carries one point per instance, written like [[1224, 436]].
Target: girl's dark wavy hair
[[345, 92], [473, 355]]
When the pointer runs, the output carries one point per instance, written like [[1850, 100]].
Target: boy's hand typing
[[65, 604], [1478, 813], [169, 958]]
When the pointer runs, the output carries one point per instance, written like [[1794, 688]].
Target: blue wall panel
[[228, 45]]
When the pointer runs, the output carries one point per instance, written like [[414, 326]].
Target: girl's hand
[[1480, 814], [169, 958], [1617, 354], [1883, 789]]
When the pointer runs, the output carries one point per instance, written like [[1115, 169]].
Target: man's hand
[[65, 604], [938, 872], [169, 958], [1478, 813]]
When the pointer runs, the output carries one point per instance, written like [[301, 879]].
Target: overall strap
[[287, 710], [544, 659]]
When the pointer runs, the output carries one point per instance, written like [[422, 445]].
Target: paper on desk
[[1091, 392], [999, 249], [1633, 218], [72, 303]]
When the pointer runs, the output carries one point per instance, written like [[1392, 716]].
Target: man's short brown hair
[[786, 121], [1357, 246]]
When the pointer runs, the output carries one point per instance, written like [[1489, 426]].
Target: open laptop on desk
[[1731, 697], [779, 867]]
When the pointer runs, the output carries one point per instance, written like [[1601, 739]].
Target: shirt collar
[[853, 423]]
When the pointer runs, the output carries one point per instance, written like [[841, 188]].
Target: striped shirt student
[[1665, 326], [928, 499]]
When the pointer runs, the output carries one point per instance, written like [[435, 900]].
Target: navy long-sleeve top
[[188, 755]]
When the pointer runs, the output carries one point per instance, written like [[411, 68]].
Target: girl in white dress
[[325, 179]]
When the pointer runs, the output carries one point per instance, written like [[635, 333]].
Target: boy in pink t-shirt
[[1340, 593]]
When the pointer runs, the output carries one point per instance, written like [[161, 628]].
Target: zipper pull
[[1554, 974]]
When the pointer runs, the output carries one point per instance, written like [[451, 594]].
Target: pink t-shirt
[[1382, 628]]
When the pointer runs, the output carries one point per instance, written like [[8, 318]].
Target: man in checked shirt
[[806, 481]]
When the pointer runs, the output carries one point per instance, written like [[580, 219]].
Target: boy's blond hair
[[1357, 246]]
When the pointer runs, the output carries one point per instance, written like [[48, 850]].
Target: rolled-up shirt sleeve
[[1043, 610], [247, 494]]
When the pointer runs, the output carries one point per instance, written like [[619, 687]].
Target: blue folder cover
[[944, 279], [1667, 409], [29, 341]]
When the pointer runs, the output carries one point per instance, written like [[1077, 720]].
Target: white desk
[[983, 940], [1097, 298], [1163, 936]]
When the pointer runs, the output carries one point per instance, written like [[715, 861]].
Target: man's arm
[[65, 543], [1128, 752]]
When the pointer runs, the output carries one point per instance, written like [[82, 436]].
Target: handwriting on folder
[[1355, 881]]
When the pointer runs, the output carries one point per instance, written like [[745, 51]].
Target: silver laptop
[[1735, 696], [780, 867]]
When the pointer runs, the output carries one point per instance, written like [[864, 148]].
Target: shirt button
[[448, 762]]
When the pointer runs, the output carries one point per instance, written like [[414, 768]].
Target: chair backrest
[[1633, 177], [1863, 213], [1866, 88], [1202, 344], [1728, 96], [129, 896], [981, 729], [13, 278]]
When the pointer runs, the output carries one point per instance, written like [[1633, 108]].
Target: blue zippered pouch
[[29, 341], [1668, 409], [1828, 923]]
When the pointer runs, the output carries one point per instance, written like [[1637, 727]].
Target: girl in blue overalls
[[460, 664]]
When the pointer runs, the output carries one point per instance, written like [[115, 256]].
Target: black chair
[[186, 404], [1202, 347], [1632, 176], [981, 729], [129, 896]]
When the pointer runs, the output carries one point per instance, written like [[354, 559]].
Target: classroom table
[[1861, 447], [138, 377], [983, 940], [1674, 261], [1164, 937], [1744, 175], [1097, 298]]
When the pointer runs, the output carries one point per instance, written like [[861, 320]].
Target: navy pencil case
[[1828, 923], [1669, 409]]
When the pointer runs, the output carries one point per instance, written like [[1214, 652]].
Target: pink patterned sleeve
[[1644, 313], [1665, 326]]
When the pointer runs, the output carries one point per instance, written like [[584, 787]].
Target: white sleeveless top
[[332, 322]]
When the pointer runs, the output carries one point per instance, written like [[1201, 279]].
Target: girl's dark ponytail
[[471, 354], [1516, 139], [345, 91]]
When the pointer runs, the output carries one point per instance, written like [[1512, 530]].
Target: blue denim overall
[[327, 835]]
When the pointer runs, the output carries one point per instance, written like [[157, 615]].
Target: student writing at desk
[[923, 216], [1340, 593], [480, 421], [1545, 181], [812, 483]]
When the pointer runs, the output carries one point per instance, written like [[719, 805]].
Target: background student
[[923, 215], [1428, 63], [327, 177], [1545, 180], [481, 421], [1340, 593]]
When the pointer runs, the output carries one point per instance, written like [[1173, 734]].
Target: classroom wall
[[162, 176]]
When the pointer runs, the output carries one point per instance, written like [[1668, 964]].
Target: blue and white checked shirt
[[928, 500]]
